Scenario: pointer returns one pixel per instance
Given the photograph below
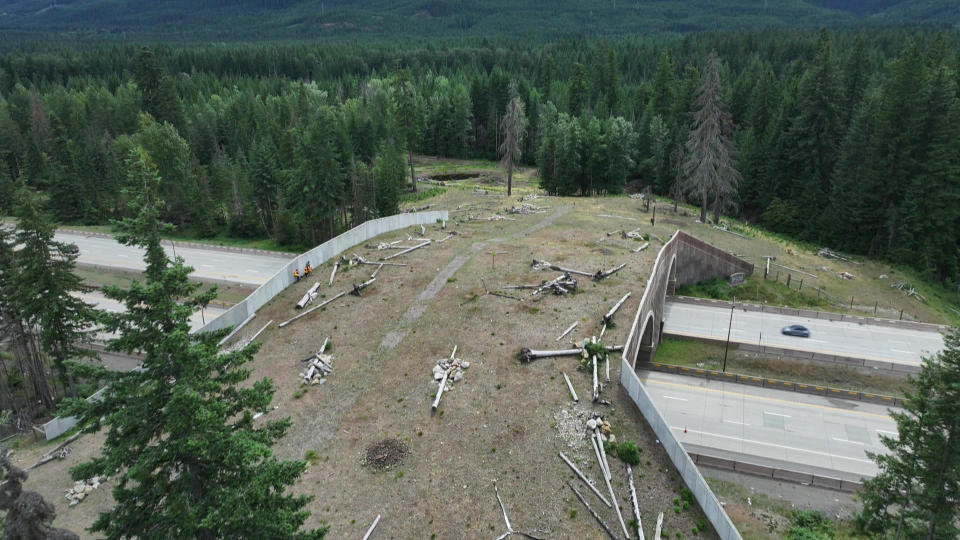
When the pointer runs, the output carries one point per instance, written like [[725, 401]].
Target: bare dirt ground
[[504, 422]]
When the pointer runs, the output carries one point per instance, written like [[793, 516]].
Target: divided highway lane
[[793, 431], [197, 320], [245, 268], [899, 345]]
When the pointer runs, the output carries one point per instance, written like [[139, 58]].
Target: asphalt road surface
[[196, 320], [248, 269], [798, 432], [899, 345]]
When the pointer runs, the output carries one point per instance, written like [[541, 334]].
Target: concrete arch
[[649, 337], [672, 276]]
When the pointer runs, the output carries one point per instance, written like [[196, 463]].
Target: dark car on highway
[[796, 330]]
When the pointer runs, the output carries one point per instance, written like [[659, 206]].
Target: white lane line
[[902, 351], [885, 432], [777, 414], [677, 398], [773, 445], [847, 441], [735, 422], [254, 271], [122, 255], [206, 266]]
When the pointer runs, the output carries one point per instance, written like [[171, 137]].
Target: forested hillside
[[232, 20], [846, 139]]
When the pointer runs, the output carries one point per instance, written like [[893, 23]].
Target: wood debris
[[311, 310], [318, 366], [60, 452], [568, 330], [528, 355], [446, 370], [585, 480], [656, 535], [82, 488], [828, 253], [608, 318], [408, 250], [908, 290], [372, 527], [358, 288], [726, 230], [506, 520], [636, 506], [573, 392], [596, 276], [632, 234], [845, 275], [593, 513], [309, 296], [527, 208], [641, 248]]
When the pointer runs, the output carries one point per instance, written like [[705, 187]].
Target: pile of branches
[[318, 366], [527, 208], [559, 286], [908, 290]]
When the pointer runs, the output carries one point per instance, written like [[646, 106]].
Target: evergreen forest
[[847, 139]]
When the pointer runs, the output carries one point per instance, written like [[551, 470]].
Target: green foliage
[[629, 453], [181, 439], [422, 195], [916, 488], [810, 525]]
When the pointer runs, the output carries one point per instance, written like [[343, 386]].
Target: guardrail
[[198, 245], [775, 473], [809, 313], [246, 308], [778, 384]]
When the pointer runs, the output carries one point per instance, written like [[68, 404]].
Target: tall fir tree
[[181, 443], [916, 494]]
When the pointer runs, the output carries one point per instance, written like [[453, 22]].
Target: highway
[[245, 268], [882, 343], [107, 304], [799, 432]]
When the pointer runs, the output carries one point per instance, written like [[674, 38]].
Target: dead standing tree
[[513, 126], [708, 168]]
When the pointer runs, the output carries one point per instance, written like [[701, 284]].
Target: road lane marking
[[848, 441], [676, 398], [735, 422], [772, 445], [885, 432], [777, 414], [903, 351], [763, 398]]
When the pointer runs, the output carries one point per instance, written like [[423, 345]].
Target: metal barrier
[[247, 307], [775, 473]]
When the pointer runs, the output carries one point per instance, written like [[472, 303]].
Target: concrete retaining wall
[[681, 460], [778, 384], [811, 314], [284, 278], [775, 473]]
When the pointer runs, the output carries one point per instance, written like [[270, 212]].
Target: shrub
[[629, 453]]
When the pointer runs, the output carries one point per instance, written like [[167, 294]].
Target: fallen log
[[52, 455], [636, 506], [311, 310], [260, 331], [308, 296], [656, 535], [795, 270], [506, 520], [372, 527], [573, 393], [596, 516], [613, 496], [447, 237], [551, 266], [596, 386], [568, 330], [729, 231], [605, 274], [585, 480], [528, 355], [408, 250], [374, 274], [360, 260], [641, 248], [357, 288], [608, 318], [334, 273], [443, 382]]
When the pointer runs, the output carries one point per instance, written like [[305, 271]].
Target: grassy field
[[710, 356]]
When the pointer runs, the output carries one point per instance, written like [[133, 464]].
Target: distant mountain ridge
[[303, 19]]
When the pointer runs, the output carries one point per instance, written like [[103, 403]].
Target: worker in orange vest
[[307, 269], [296, 274]]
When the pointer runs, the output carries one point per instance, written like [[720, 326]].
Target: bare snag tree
[[708, 168], [513, 127]]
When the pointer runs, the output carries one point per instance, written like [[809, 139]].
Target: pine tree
[[514, 129], [708, 167], [579, 89], [389, 177], [46, 287], [181, 441], [917, 491]]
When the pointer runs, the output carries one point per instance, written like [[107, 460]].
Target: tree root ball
[[385, 454]]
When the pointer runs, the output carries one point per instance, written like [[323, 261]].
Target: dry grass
[[499, 422]]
